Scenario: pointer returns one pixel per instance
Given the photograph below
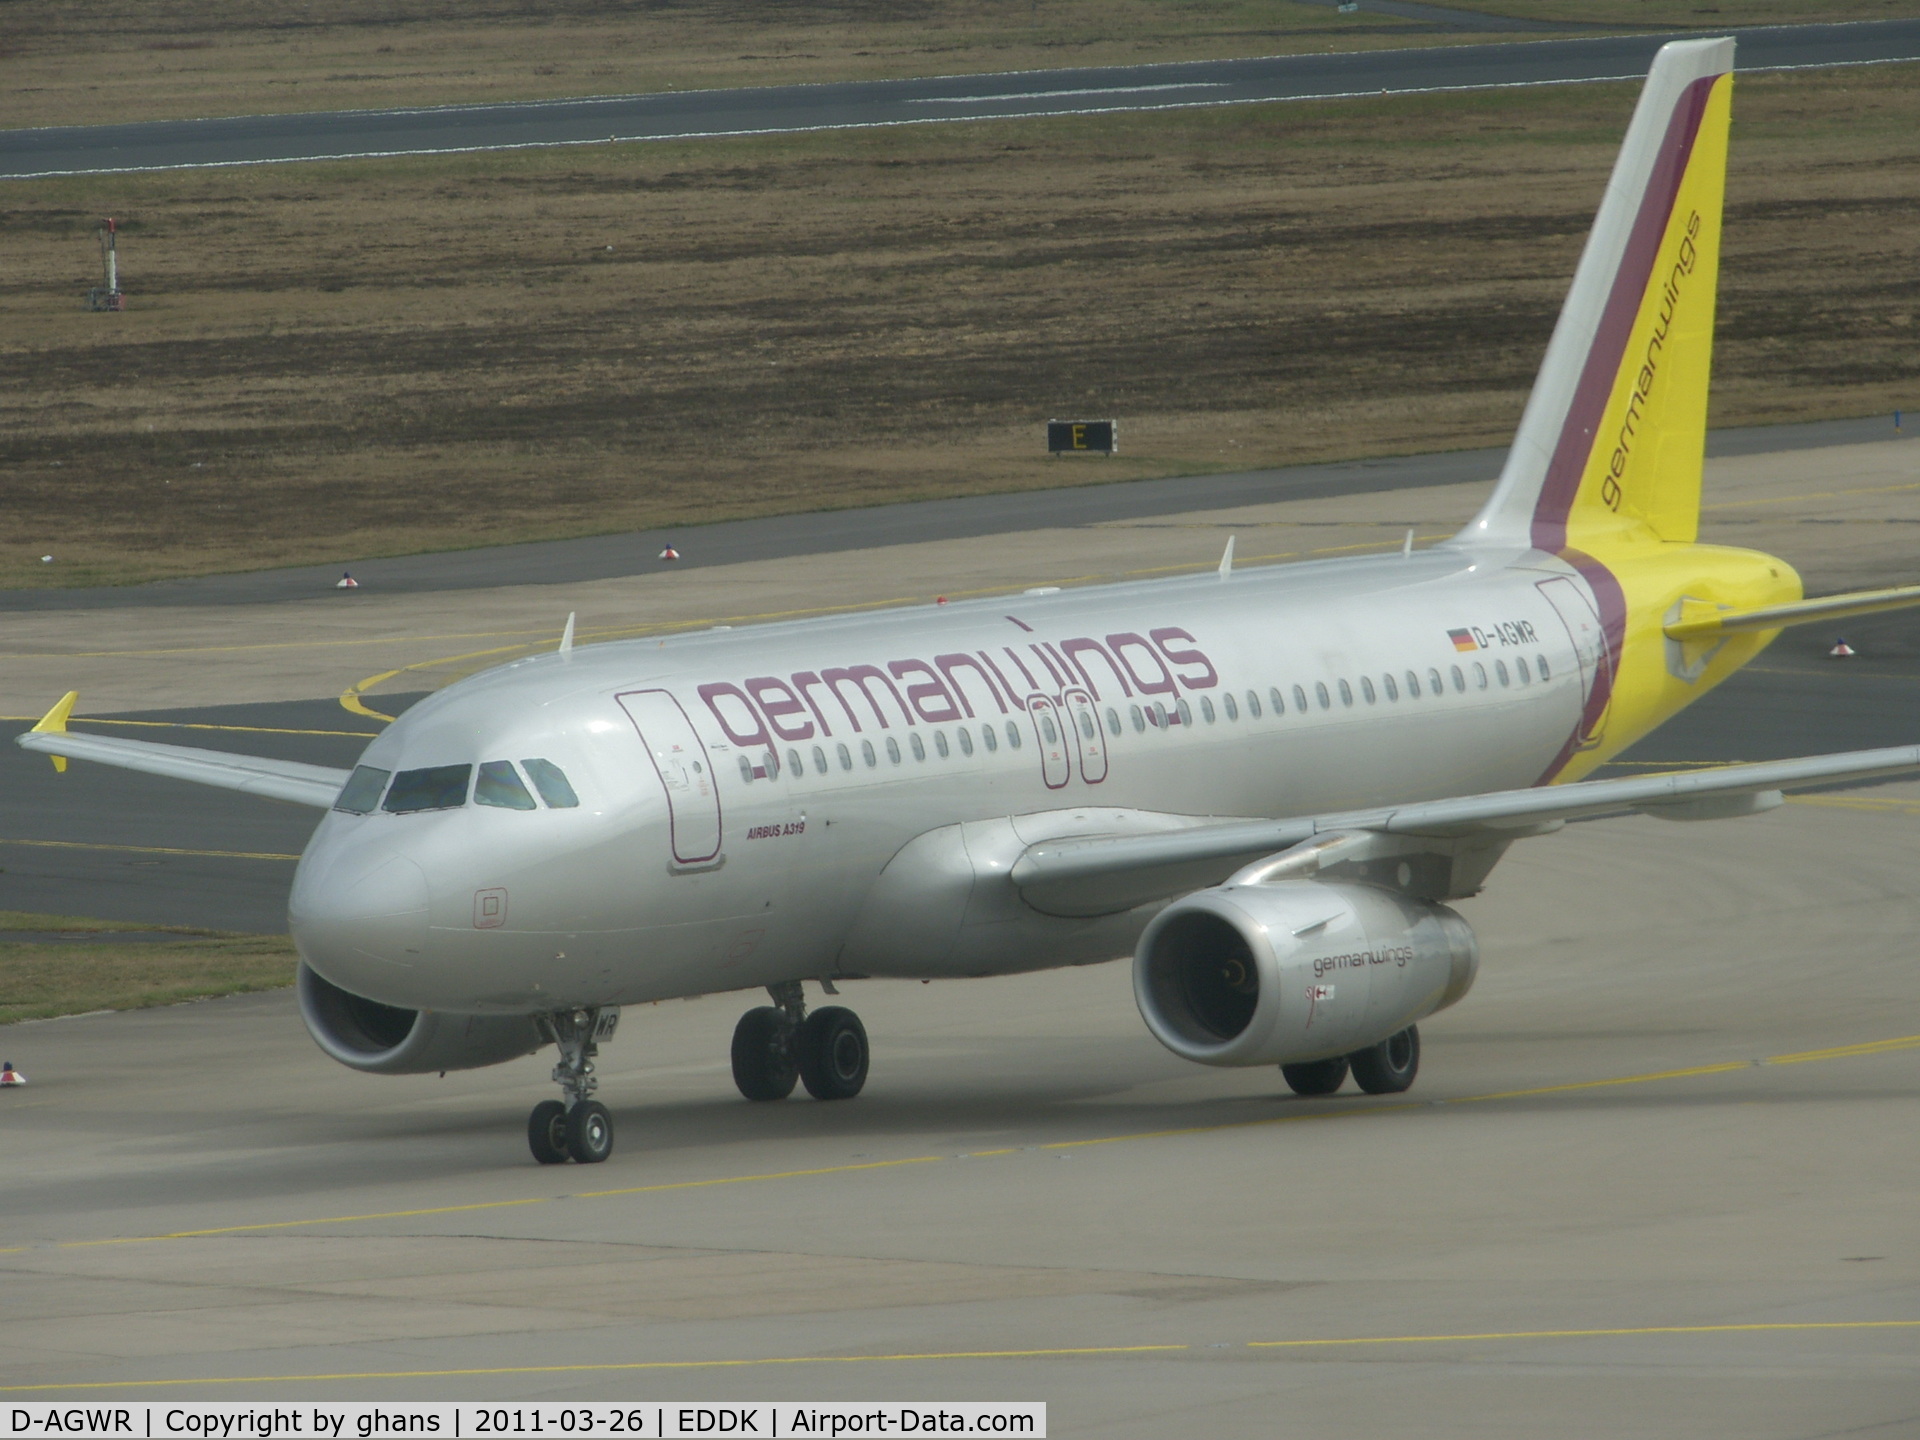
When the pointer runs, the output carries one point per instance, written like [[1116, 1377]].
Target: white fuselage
[[742, 792]]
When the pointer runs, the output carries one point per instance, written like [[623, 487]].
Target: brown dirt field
[[77, 62], [327, 361]]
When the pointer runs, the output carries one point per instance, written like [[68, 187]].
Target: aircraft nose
[[359, 915]]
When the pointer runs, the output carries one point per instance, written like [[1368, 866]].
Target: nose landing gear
[[579, 1128], [775, 1045]]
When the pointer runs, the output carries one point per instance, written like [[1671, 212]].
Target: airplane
[[1265, 785]]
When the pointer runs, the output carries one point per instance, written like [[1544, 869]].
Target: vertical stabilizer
[[1615, 430]]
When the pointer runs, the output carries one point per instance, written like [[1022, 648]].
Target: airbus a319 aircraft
[[1266, 785]]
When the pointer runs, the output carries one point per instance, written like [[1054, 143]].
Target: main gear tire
[[589, 1133], [1316, 1077], [764, 1065], [833, 1054], [547, 1132], [1389, 1067]]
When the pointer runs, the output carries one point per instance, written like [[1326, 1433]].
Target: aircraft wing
[[1094, 874], [290, 780]]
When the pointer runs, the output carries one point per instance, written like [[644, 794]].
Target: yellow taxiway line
[[1837, 1052], [1074, 1352], [149, 849]]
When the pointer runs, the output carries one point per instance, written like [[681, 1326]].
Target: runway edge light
[[54, 722]]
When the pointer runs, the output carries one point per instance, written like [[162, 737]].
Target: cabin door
[[685, 770], [1590, 650], [1085, 718]]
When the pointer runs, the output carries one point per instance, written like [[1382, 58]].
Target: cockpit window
[[438, 787], [551, 781], [362, 790], [500, 784]]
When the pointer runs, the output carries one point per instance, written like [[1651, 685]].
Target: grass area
[[326, 361], [41, 978]]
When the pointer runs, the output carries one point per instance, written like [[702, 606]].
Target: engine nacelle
[[387, 1040], [1265, 974]]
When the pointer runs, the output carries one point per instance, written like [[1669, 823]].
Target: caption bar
[[753, 1420]]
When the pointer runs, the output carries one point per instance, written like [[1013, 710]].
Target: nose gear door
[[685, 770], [1048, 728]]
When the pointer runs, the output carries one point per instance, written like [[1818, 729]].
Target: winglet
[[566, 636], [54, 722], [1226, 559]]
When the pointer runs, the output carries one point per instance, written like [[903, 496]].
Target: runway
[[268, 139]]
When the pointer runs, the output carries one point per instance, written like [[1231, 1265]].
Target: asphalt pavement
[[350, 134]]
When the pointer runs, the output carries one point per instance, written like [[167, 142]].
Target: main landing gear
[[776, 1045], [1384, 1069], [578, 1128]]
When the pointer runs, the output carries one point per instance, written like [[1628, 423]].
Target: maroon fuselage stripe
[[1590, 396]]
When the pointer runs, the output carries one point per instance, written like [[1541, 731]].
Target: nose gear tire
[[589, 1133], [547, 1132], [1389, 1067], [1316, 1077], [764, 1065], [833, 1054]]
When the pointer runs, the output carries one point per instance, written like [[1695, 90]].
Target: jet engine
[[386, 1040], [1296, 970]]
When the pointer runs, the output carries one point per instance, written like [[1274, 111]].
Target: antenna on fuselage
[[566, 636], [1226, 559]]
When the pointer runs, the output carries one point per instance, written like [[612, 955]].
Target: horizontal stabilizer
[[1069, 874], [316, 785], [1709, 623]]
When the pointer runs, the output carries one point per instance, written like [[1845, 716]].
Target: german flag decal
[[1462, 640]]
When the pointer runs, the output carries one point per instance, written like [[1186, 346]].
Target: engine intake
[[1265, 974], [386, 1040]]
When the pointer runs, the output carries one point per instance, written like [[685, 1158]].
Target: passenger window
[[1228, 704], [940, 743], [987, 734], [1300, 699], [1087, 726], [499, 784], [846, 757], [1520, 664], [1186, 711], [819, 761], [1253, 704], [866, 754], [1206, 709], [1480, 674], [919, 746], [362, 790], [966, 741], [1459, 681], [1139, 720], [1540, 661], [793, 764], [1048, 729], [746, 769], [1366, 689], [1393, 690], [1500, 672], [1013, 736], [1346, 693], [1434, 687], [1320, 694], [1413, 686], [1113, 721], [893, 750], [551, 781], [1157, 715], [439, 787]]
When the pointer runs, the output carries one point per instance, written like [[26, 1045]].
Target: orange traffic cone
[[9, 1075], [669, 553], [346, 582]]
